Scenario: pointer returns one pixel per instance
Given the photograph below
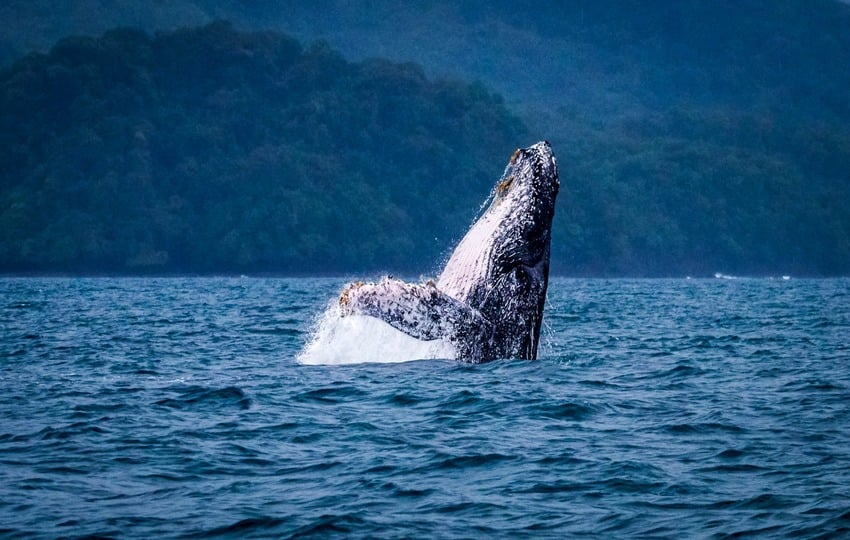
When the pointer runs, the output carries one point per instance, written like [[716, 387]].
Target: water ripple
[[174, 408]]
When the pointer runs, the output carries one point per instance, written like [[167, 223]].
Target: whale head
[[501, 266]]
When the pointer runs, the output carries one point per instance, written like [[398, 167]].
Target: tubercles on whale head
[[541, 162], [528, 187], [531, 170]]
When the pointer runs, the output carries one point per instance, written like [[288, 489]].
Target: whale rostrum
[[488, 301]]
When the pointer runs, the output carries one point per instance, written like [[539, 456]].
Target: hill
[[694, 136], [211, 150]]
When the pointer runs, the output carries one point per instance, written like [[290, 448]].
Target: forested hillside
[[693, 136], [211, 150]]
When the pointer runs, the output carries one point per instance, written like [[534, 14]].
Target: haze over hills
[[565, 52], [693, 136]]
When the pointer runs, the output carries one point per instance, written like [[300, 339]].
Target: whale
[[488, 300]]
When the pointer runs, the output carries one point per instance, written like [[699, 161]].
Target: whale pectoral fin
[[421, 311]]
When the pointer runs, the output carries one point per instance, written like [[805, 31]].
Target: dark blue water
[[172, 408]]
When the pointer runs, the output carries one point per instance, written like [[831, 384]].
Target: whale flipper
[[421, 311]]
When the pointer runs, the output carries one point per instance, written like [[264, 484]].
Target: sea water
[[175, 408]]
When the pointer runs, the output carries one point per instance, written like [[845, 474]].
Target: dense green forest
[[693, 136], [211, 150]]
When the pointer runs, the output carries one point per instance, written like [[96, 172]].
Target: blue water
[[174, 408]]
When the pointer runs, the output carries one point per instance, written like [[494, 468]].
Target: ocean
[[178, 408]]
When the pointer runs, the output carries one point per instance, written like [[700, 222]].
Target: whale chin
[[488, 301]]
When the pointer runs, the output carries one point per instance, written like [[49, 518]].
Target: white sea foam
[[357, 339]]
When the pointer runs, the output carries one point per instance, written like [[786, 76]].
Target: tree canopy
[[211, 150], [692, 138]]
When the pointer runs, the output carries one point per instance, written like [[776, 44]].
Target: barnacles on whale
[[505, 185], [515, 156], [345, 296]]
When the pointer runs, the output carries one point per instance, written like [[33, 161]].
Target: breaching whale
[[488, 301]]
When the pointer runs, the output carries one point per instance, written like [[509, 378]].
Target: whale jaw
[[489, 299]]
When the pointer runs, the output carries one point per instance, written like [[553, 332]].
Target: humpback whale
[[488, 300]]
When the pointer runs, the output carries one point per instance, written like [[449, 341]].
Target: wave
[[721, 275], [201, 396], [357, 339]]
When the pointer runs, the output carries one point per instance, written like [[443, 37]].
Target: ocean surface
[[177, 408]]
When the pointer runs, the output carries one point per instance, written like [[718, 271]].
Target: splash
[[338, 340]]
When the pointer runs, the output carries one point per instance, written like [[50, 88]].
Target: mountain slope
[[211, 150], [694, 136]]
